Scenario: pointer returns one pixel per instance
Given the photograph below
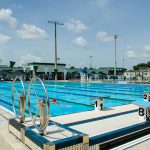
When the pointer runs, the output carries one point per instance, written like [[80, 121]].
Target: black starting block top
[[101, 97]]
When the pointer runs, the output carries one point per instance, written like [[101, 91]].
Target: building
[[110, 70], [45, 70], [101, 73], [8, 73], [142, 75]]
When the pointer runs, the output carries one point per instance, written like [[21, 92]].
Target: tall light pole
[[123, 63], [91, 61], [115, 37], [55, 23]]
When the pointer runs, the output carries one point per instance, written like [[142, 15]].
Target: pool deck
[[141, 146], [95, 128], [93, 115], [7, 140], [92, 123]]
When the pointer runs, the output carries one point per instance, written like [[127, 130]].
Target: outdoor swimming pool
[[76, 97]]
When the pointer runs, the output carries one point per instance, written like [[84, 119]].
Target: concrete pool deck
[[7, 140], [120, 116], [92, 115], [95, 128]]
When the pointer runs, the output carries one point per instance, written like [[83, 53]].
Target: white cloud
[[6, 15], [29, 31], [131, 54], [103, 36], [29, 58], [75, 25], [146, 55], [101, 3], [4, 38], [80, 41], [147, 47]]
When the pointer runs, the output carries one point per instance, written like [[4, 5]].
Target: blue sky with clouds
[[89, 26]]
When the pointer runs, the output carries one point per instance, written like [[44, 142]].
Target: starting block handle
[[102, 97]]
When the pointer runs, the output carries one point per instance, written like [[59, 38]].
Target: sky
[[88, 30]]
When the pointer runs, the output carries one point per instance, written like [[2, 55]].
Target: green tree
[[148, 64], [72, 67], [135, 67], [141, 65], [91, 68]]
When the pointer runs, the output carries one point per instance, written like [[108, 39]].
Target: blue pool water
[[75, 97]]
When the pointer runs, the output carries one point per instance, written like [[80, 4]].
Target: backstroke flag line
[[35, 68], [12, 63]]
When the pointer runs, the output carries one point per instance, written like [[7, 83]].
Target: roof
[[4, 72], [118, 68], [138, 71], [18, 72], [42, 63]]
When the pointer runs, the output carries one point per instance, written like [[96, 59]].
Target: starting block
[[99, 104], [147, 96], [144, 110]]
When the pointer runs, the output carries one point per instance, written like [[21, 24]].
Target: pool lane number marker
[[144, 113], [99, 102], [147, 96]]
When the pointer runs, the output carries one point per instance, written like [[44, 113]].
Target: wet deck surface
[[9, 142], [88, 115], [141, 146], [107, 125], [114, 120]]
